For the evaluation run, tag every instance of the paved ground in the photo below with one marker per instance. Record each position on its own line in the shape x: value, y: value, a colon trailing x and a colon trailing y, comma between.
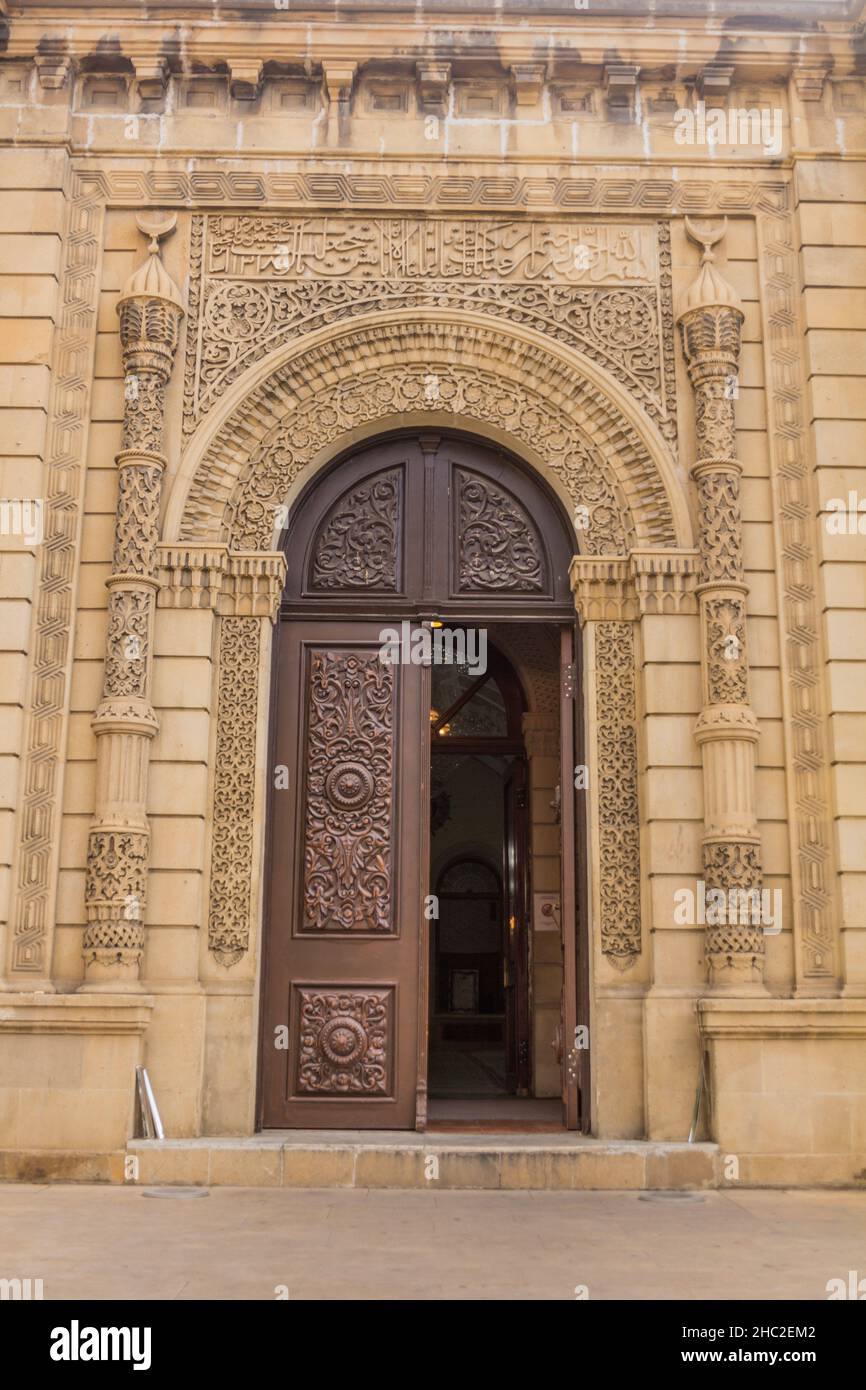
x: 241, y: 1243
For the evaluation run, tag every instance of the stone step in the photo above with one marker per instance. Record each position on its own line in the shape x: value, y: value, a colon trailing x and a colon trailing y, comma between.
x: 542, y: 1162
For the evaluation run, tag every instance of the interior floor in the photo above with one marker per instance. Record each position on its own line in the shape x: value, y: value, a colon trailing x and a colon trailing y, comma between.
x: 495, y: 1115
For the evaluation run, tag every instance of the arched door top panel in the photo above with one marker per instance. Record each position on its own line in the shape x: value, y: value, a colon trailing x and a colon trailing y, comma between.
x: 429, y: 521
x: 360, y: 543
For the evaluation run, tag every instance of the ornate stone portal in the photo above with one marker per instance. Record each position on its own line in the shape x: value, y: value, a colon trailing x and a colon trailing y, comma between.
x: 150, y: 311
x: 341, y: 266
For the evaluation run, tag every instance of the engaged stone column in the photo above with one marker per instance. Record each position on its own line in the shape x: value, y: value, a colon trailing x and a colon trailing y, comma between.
x: 711, y: 320
x: 150, y: 312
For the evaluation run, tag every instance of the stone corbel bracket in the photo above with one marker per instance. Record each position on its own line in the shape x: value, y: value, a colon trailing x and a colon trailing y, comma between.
x: 529, y: 80
x: 245, y: 79
x: 624, y: 588
x: 620, y: 85
x: 151, y: 78
x: 339, y: 79
x: 809, y: 77
x: 233, y: 583
x: 434, y: 82
x: 52, y: 70
x: 714, y: 82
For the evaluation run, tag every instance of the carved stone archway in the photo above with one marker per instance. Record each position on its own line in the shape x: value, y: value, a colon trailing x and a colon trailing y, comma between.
x: 564, y: 414
x: 292, y: 414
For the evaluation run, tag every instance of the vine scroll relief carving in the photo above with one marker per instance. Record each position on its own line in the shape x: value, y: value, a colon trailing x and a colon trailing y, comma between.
x: 258, y: 281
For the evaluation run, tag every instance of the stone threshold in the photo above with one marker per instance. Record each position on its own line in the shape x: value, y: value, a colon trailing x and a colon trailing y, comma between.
x: 386, y: 1159
x: 389, y: 1159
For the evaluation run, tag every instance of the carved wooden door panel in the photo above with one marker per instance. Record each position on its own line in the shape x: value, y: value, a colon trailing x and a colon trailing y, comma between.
x: 346, y: 883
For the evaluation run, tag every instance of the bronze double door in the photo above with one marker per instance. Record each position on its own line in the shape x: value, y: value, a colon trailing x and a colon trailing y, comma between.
x: 411, y: 528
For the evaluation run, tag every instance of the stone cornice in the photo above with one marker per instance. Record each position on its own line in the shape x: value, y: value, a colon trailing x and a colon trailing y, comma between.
x: 572, y: 41
x: 782, y: 1018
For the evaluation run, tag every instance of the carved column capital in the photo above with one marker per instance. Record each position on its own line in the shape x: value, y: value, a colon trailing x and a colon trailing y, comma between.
x: 711, y: 314
x: 150, y: 307
x: 234, y: 583
x: 603, y: 588
x: 619, y: 588
x: 665, y: 580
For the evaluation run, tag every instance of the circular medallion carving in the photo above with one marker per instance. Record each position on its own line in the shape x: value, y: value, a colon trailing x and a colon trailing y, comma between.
x: 343, y: 1041
x: 622, y: 320
x: 349, y: 786
x: 238, y: 313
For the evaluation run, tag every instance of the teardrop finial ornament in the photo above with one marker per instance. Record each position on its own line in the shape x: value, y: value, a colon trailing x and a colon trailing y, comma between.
x: 155, y: 225
x: 707, y: 235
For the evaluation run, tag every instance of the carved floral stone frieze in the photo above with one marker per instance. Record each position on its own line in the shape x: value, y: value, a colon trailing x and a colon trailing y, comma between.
x: 234, y: 789
x: 618, y: 810
x: 257, y: 281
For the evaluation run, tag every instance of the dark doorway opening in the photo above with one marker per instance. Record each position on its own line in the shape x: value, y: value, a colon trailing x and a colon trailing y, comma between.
x: 470, y: 1046
x: 479, y: 1025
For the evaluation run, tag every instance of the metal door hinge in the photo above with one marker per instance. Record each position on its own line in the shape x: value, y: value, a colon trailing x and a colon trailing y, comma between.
x: 569, y: 679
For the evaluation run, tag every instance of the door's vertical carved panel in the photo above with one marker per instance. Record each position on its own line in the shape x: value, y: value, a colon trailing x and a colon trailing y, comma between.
x: 497, y: 545
x: 359, y: 545
x: 618, y: 812
x: 348, y: 810
x: 231, y: 875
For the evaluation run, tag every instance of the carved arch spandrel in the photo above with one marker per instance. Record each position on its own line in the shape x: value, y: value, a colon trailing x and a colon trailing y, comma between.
x: 291, y: 414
